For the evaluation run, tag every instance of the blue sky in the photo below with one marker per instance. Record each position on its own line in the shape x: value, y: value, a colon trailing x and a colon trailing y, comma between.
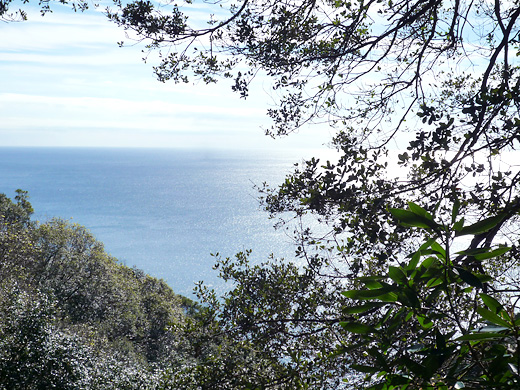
x: 64, y: 81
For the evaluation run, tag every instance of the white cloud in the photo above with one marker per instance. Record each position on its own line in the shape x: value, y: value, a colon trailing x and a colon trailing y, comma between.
x: 60, y: 29
x: 66, y: 82
x: 145, y: 107
x: 22, y: 111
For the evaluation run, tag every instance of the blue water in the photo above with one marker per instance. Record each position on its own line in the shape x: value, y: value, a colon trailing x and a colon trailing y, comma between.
x: 162, y: 210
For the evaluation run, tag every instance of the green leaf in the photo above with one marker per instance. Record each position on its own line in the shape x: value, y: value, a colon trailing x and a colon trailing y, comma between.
x: 494, y: 253
x: 457, y: 226
x: 468, y: 277
x: 431, y: 364
x: 413, y: 261
x: 473, y: 252
x: 484, y: 278
x: 356, y: 327
x: 380, y: 358
x: 439, y: 249
x: 492, y: 317
x: 397, y: 275
x: 491, y: 302
x: 362, y: 308
x: 481, y: 336
x: 425, y: 322
x: 409, y: 219
x: 384, y: 294
x: 395, y: 382
x: 418, y: 210
x: 485, y: 253
x: 349, y: 293
x: 438, y: 284
x: 482, y: 226
x: 429, y: 261
x: 455, y: 210
x: 493, y: 329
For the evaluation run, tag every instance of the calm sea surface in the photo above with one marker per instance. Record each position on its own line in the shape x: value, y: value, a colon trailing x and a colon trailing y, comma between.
x: 162, y: 210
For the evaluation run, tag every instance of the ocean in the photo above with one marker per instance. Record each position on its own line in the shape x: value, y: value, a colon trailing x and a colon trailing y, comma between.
x: 162, y: 210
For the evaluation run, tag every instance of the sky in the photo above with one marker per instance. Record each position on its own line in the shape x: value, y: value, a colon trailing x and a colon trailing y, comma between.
x: 64, y: 82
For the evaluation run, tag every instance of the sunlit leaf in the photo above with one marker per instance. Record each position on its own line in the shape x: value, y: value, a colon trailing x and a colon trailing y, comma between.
x: 425, y: 322
x: 356, y: 327
x: 482, y: 226
x: 439, y: 249
x: 491, y: 302
x: 492, y: 317
x: 418, y: 210
x: 407, y: 218
x: 480, y: 336
x: 397, y: 275
x: 429, y: 261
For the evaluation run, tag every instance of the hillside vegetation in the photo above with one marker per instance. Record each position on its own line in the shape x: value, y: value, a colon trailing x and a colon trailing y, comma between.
x: 72, y: 316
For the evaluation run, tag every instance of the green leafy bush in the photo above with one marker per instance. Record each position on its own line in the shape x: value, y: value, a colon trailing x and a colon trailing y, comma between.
x: 439, y: 320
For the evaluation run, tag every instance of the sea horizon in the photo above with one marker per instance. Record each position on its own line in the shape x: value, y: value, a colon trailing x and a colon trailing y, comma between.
x: 163, y: 210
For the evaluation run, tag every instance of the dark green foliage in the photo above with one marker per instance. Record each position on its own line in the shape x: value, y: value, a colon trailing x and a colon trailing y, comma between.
x: 72, y: 317
x: 286, y: 314
x: 33, y: 353
x: 16, y: 214
x: 92, y: 288
x: 433, y: 322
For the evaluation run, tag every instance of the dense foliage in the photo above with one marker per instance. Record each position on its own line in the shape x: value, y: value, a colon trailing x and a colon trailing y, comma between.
x: 72, y: 317
x: 430, y: 322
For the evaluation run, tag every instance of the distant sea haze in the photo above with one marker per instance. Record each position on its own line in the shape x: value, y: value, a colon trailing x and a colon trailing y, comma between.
x: 162, y: 210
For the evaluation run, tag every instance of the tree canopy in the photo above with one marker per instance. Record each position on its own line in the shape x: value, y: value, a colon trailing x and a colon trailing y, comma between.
x: 72, y: 317
x: 430, y: 87
x: 424, y: 98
